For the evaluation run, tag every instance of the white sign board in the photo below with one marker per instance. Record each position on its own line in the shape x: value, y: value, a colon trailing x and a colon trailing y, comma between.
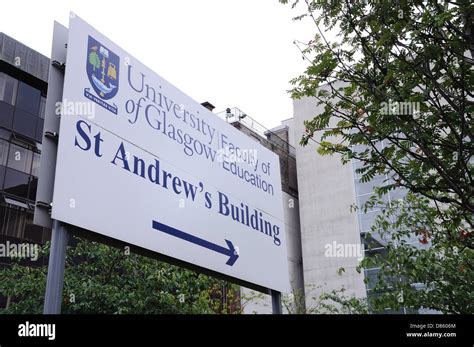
x: 141, y: 162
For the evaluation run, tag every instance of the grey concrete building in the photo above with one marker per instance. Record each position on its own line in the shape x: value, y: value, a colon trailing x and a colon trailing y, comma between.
x: 278, y: 141
x: 327, y: 190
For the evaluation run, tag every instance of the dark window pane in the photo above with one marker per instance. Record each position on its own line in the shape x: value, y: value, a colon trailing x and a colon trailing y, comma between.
x: 25, y: 123
x: 39, y: 130
x: 20, y: 158
x: 36, y: 164
x: 5, y: 134
x: 42, y: 108
x: 3, y: 152
x: 3, y: 213
x: 2, y: 176
x: 32, y: 232
x: 28, y: 98
x: 6, y: 115
x: 32, y: 188
x: 13, y: 221
x: 46, y: 235
x: 8, y: 87
x: 16, y: 183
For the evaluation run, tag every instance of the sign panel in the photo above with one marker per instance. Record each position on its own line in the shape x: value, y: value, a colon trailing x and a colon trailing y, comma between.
x: 141, y: 162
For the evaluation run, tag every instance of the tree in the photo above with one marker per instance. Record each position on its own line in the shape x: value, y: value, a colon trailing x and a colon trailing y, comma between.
x: 332, y: 302
x: 102, y: 279
x: 398, y: 96
x: 438, y: 276
x: 94, y: 59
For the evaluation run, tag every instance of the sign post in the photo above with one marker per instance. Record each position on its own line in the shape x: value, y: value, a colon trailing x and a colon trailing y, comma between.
x: 59, y: 236
x: 276, y: 302
x: 57, y: 258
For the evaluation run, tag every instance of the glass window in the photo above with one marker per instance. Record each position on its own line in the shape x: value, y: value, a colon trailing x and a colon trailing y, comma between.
x: 368, y: 187
x: 36, y: 164
x: 5, y: 134
x: 6, y: 114
x: 42, y: 109
x: 13, y: 221
x: 2, y: 176
x: 32, y: 232
x: 39, y: 130
x: 381, y: 202
x: 25, y: 123
x: 397, y: 194
x: 362, y: 199
x: 28, y: 98
x: 3, y: 152
x: 16, y: 183
x: 367, y: 220
x: 33, y: 186
x: 20, y: 158
x: 3, y: 213
x: 8, y: 88
x: 372, y: 277
x: 357, y: 164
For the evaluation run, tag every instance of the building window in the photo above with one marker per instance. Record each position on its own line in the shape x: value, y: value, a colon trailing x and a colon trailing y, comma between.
x: 2, y: 175
x: 42, y: 109
x: 39, y: 130
x: 36, y: 164
x: 32, y: 232
x: 16, y: 183
x: 3, y: 152
x: 28, y: 98
x: 372, y: 277
x: 6, y: 115
x: 25, y: 123
x: 367, y: 220
x: 5, y: 134
x: 12, y: 220
x: 368, y: 187
x: 20, y: 158
x: 381, y: 202
x: 32, y: 188
x: 8, y: 88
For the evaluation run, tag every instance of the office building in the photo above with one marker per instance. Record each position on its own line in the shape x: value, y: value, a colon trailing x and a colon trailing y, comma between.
x: 23, y: 86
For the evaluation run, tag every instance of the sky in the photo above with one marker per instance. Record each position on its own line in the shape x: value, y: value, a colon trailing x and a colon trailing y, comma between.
x: 232, y: 53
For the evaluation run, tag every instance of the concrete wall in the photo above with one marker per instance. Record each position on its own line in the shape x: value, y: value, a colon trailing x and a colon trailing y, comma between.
x: 326, y: 192
x: 290, y: 123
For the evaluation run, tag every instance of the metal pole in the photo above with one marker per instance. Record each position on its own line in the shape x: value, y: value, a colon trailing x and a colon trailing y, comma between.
x: 57, y: 257
x: 276, y: 302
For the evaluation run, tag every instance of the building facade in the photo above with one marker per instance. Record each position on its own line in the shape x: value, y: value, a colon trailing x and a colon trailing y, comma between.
x: 328, y: 191
x: 23, y: 87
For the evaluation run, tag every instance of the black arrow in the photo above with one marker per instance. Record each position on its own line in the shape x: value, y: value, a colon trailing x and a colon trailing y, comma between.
x: 230, y: 251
